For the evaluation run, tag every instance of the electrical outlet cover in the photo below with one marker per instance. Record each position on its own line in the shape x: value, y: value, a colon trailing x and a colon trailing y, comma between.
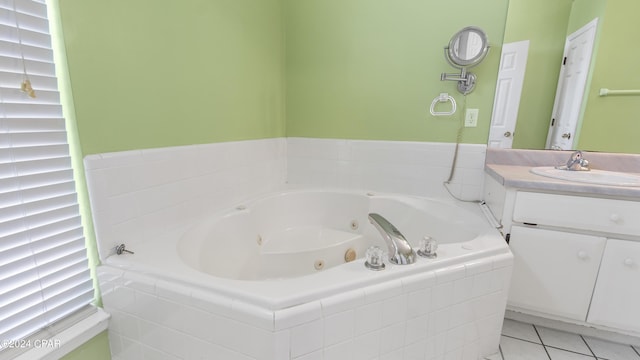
x: 471, y: 118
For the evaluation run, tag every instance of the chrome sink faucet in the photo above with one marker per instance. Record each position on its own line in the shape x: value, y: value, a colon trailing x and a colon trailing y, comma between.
x: 400, y: 251
x: 576, y: 162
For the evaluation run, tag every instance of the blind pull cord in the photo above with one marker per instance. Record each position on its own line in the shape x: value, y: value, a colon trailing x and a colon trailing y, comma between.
x: 25, y: 86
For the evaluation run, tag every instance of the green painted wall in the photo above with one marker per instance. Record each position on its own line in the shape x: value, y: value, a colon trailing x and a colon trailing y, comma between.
x: 369, y: 69
x: 583, y: 11
x: 146, y: 74
x: 207, y: 71
x: 544, y: 24
x: 613, y: 123
x: 94, y: 349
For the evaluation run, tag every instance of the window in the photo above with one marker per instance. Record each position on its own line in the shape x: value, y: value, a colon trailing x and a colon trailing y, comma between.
x: 44, y: 272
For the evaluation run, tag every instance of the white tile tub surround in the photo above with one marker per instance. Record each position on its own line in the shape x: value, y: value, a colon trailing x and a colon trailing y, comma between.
x: 414, y: 168
x: 423, y: 316
x: 152, y: 195
x: 141, y: 194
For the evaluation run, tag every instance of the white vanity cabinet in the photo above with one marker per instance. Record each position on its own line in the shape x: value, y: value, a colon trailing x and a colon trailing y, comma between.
x: 576, y: 256
x: 616, y: 299
x: 554, y: 272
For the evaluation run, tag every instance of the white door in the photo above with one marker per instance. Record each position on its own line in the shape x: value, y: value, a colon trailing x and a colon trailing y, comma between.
x: 571, y: 85
x: 513, y: 63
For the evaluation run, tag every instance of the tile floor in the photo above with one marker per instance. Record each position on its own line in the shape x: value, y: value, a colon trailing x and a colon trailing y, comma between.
x: 521, y: 341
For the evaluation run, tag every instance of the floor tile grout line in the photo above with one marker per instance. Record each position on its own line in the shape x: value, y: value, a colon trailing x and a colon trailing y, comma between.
x: 541, y: 342
x: 588, y: 347
x: 575, y: 352
x: 538, y: 334
x: 525, y: 340
x: 544, y: 346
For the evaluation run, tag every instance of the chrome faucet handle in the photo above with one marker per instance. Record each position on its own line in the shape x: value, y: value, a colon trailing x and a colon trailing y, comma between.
x: 584, y: 163
x: 428, y: 247
x: 374, y: 258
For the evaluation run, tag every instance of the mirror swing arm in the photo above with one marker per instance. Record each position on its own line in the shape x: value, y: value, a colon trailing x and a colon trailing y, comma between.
x: 466, y: 49
x: 466, y: 80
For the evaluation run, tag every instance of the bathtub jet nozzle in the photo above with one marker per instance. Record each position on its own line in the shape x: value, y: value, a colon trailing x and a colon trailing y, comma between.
x: 400, y: 251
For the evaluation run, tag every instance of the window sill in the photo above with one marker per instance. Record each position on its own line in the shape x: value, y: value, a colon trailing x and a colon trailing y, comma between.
x: 70, y: 339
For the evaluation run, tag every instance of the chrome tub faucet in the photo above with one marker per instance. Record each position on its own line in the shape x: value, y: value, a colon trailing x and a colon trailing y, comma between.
x: 400, y: 251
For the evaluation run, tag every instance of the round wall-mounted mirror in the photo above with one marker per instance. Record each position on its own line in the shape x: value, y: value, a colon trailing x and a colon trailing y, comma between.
x: 468, y: 47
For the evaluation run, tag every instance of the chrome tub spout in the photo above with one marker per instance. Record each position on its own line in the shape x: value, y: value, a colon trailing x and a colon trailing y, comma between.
x: 400, y: 251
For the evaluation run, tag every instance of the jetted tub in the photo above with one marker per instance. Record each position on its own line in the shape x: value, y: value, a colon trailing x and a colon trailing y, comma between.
x: 283, y: 277
x: 301, y: 233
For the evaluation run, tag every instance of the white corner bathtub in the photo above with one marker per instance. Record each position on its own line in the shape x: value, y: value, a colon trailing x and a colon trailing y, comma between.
x: 268, y: 279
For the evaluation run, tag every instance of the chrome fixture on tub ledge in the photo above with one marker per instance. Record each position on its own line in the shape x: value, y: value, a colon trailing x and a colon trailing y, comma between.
x: 428, y: 247
x: 374, y: 259
x: 400, y: 251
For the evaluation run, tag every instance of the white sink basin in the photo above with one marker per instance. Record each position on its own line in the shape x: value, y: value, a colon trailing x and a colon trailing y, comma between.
x: 600, y: 177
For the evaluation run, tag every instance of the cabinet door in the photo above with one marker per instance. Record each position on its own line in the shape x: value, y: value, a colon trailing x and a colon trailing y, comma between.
x: 554, y: 272
x: 616, y: 299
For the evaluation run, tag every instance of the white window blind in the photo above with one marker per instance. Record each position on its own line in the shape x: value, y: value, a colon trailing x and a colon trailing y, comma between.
x: 44, y: 273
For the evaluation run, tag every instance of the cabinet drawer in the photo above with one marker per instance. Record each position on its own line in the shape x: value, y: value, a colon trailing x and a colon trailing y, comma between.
x: 576, y: 212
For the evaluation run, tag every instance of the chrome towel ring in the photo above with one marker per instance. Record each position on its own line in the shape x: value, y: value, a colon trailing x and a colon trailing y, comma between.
x: 443, y: 98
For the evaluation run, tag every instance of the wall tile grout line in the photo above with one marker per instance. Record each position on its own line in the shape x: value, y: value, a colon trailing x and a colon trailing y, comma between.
x: 501, y: 353
x: 636, y: 351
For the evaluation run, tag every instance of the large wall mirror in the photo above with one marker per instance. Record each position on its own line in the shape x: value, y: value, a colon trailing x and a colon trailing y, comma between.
x: 608, y: 124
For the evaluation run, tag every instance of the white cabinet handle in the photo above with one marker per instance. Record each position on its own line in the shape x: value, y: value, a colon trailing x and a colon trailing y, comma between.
x: 628, y: 262
x: 616, y: 218
x: 582, y: 255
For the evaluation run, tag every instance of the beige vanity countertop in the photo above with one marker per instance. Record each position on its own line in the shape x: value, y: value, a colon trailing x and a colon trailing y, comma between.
x: 516, y: 176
